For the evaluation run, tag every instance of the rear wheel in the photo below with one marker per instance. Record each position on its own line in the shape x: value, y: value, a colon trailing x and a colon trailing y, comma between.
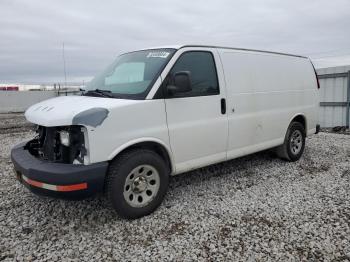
x: 294, y: 143
x: 137, y: 182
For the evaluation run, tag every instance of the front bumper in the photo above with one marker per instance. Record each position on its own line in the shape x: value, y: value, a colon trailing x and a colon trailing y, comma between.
x: 57, y: 179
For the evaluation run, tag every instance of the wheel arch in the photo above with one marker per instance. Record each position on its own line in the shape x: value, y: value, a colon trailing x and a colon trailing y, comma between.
x: 151, y: 143
x: 300, y: 118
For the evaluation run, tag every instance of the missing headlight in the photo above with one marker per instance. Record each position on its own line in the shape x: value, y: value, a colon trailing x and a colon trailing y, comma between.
x: 63, y: 144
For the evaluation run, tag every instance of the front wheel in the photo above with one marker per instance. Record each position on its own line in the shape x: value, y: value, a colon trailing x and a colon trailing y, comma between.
x: 137, y: 182
x: 294, y: 143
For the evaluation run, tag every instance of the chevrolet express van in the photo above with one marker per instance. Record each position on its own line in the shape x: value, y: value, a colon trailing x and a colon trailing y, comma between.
x: 160, y: 112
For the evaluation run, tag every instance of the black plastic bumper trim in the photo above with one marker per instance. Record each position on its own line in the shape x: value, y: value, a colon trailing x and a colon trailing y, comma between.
x: 58, y: 173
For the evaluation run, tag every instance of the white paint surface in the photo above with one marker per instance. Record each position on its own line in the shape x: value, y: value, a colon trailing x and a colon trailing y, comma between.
x: 263, y: 93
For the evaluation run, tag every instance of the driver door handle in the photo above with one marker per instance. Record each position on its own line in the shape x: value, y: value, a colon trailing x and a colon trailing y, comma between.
x: 223, y: 106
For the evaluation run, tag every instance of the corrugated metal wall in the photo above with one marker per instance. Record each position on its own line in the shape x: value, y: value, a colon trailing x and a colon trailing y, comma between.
x: 334, y: 96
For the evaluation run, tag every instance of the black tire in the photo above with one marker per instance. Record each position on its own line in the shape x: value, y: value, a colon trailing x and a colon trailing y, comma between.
x: 118, y: 173
x: 287, y: 151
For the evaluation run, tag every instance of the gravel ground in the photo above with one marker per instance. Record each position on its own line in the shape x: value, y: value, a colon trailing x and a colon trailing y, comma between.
x: 13, y: 122
x: 253, y: 208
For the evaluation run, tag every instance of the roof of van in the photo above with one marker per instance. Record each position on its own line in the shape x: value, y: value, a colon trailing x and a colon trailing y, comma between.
x: 224, y: 47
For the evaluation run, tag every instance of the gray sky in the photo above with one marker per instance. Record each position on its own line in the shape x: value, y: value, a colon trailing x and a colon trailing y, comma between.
x: 95, y: 32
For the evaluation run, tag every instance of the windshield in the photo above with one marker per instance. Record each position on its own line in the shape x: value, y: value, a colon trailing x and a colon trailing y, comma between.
x: 131, y: 75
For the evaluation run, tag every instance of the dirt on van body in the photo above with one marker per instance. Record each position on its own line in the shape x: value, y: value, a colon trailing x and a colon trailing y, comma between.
x: 253, y: 208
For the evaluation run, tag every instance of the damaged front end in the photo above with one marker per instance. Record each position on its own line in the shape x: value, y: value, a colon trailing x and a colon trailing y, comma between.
x: 62, y: 144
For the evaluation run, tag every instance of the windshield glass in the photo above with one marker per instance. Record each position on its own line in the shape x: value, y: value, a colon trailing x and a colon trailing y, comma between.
x: 131, y: 75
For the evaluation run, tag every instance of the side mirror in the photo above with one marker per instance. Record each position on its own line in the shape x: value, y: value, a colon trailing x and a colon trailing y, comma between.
x: 180, y: 82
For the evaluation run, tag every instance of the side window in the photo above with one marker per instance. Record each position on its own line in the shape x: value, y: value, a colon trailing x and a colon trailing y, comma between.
x: 201, y: 65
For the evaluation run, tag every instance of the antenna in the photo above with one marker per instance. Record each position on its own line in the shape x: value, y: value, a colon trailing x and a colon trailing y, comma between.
x: 64, y: 66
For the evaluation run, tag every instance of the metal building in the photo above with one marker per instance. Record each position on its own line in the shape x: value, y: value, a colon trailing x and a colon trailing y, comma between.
x: 334, y: 96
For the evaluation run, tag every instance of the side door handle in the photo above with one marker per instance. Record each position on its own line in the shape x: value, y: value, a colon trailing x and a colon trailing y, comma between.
x: 223, y: 106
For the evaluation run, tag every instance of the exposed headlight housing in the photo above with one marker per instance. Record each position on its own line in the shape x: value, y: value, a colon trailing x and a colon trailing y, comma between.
x: 64, y: 138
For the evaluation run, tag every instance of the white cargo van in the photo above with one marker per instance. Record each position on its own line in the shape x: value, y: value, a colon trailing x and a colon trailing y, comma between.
x: 164, y: 111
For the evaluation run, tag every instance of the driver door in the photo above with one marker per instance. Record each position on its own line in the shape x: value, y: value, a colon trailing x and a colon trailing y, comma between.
x: 196, y: 119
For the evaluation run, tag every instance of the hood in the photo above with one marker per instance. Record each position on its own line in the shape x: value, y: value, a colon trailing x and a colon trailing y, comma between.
x: 68, y: 110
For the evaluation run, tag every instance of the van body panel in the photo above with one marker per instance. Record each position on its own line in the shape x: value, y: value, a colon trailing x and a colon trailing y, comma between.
x: 193, y: 120
x: 264, y: 92
x: 144, y: 119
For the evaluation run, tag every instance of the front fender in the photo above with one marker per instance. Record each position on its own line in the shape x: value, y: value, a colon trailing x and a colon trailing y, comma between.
x: 142, y: 140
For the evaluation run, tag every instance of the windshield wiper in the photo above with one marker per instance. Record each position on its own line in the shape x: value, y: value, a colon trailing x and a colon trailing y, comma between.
x: 99, y: 92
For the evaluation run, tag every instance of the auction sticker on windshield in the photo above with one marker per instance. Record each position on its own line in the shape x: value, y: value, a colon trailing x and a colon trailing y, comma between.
x: 161, y: 54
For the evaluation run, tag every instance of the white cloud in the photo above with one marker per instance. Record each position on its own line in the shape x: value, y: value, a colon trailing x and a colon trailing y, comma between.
x: 94, y: 32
